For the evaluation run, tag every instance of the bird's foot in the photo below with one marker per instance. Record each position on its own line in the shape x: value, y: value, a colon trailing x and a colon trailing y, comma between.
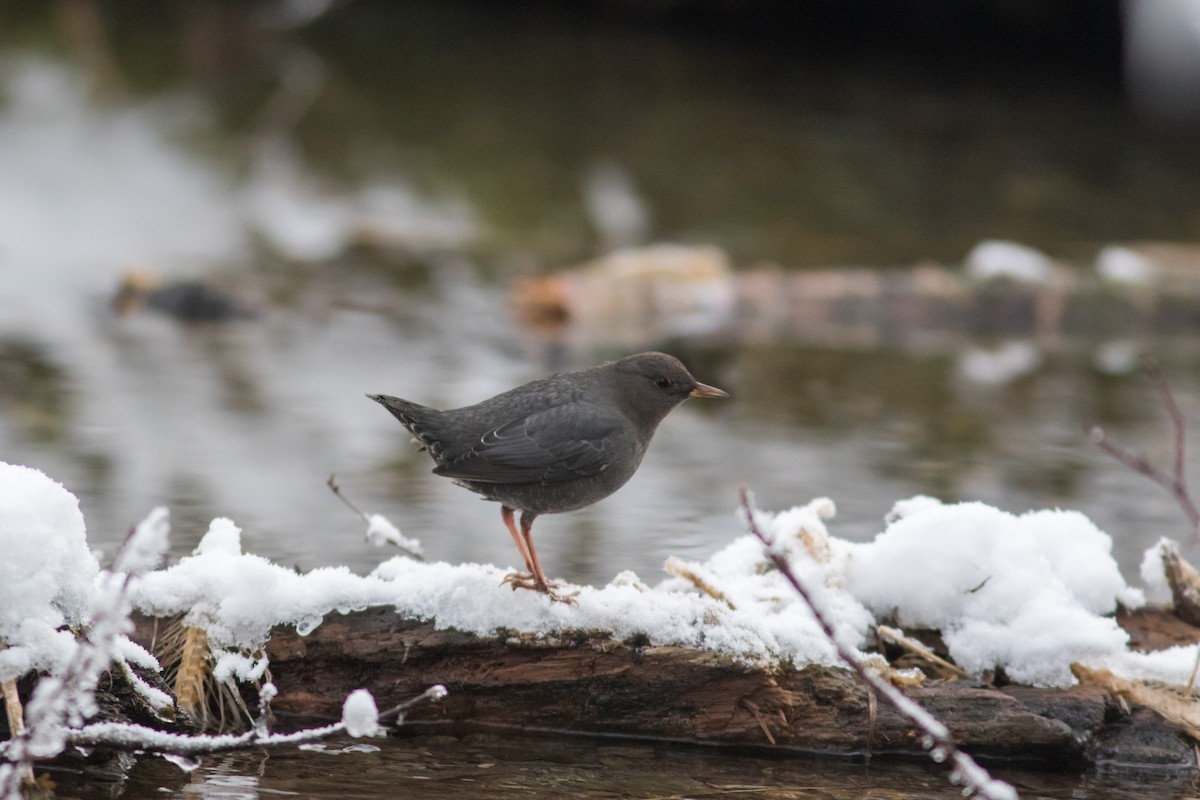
x: 559, y: 597
x: 519, y: 580
x: 527, y: 580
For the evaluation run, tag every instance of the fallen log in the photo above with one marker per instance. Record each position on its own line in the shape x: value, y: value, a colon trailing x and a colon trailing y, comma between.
x: 592, y: 685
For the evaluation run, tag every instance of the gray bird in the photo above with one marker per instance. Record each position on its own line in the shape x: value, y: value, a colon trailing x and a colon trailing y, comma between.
x: 553, y: 445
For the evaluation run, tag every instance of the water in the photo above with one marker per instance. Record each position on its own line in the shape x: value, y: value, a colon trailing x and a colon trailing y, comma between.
x: 481, y: 766
x: 374, y: 179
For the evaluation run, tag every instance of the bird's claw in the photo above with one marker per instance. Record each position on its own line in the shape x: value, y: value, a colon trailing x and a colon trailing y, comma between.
x: 527, y: 580
x: 519, y: 580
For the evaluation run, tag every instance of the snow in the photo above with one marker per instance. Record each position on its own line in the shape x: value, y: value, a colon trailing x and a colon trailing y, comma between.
x: 1118, y: 357
x: 994, y: 259
x: 148, y: 543
x: 156, y: 699
x: 1030, y: 593
x: 1023, y: 592
x: 1122, y: 265
x: 1152, y: 573
x: 359, y: 714
x: 238, y: 597
x: 1000, y: 365
x: 381, y: 531
x: 46, y: 574
x: 243, y: 667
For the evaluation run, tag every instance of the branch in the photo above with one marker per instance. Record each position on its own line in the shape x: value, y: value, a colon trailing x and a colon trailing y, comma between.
x: 434, y: 694
x: 379, y: 528
x: 128, y: 736
x: 1175, y: 483
x: 337, y: 491
x: 937, y: 739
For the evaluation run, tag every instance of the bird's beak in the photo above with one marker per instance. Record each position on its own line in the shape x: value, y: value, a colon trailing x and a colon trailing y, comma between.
x: 704, y: 390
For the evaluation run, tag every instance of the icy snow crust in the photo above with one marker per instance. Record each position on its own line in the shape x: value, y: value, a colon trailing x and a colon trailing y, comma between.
x: 1028, y: 593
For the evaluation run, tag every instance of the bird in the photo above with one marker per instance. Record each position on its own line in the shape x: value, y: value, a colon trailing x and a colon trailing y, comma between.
x: 185, y: 300
x: 553, y: 445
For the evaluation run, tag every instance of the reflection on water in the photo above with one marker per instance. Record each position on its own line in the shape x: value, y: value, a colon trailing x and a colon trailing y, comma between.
x: 372, y: 178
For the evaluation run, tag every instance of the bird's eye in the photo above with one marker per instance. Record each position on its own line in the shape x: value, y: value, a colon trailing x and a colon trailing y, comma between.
x: 662, y: 383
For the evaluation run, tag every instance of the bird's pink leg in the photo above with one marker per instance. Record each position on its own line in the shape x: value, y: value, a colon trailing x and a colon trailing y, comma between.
x: 540, y: 583
x: 516, y: 578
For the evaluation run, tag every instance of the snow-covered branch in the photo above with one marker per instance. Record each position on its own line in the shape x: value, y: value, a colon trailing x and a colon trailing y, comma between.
x: 938, y: 741
x: 359, y: 718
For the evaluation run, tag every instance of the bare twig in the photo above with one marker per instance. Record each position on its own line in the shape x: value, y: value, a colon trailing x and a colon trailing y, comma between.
x: 937, y: 739
x: 337, y: 490
x: 433, y: 694
x: 1175, y: 483
x: 15, y: 714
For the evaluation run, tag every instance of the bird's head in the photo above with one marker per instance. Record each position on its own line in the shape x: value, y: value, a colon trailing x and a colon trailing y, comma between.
x: 649, y: 385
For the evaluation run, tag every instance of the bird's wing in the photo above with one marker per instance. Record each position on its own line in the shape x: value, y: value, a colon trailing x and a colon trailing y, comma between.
x: 550, y: 446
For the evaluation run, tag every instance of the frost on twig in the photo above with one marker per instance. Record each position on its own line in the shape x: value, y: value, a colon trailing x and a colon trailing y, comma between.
x: 359, y: 718
x: 937, y: 739
x: 1174, y: 482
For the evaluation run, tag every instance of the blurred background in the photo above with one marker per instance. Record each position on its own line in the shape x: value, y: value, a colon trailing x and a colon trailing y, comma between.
x: 924, y: 245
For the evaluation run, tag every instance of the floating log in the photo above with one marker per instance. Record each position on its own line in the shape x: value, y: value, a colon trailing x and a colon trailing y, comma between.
x: 592, y: 685
x: 663, y: 291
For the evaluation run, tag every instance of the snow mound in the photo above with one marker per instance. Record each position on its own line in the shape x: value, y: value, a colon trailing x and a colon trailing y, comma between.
x: 47, y: 572
x: 1023, y: 592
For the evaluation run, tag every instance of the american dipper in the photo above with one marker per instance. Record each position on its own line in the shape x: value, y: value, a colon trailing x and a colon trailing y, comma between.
x: 552, y: 445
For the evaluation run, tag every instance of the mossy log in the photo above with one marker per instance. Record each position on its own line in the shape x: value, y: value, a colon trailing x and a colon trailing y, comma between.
x: 592, y: 685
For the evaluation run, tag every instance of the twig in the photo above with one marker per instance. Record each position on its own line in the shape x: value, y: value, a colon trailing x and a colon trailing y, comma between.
x: 692, y: 572
x: 433, y: 694
x: 1192, y: 678
x: 128, y: 736
x: 937, y: 739
x: 337, y: 490
x: 918, y: 649
x: 15, y: 715
x: 379, y: 528
x: 1175, y: 483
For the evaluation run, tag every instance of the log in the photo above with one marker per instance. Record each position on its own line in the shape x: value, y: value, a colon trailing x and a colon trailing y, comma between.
x: 592, y: 685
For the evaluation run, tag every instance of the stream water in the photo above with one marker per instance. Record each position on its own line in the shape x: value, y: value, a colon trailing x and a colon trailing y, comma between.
x: 373, y: 179
x: 482, y: 766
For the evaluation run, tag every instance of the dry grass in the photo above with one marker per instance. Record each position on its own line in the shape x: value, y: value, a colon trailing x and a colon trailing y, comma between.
x: 187, y: 662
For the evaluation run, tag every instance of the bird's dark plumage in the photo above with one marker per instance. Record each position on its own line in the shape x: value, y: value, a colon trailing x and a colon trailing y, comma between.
x: 555, y: 444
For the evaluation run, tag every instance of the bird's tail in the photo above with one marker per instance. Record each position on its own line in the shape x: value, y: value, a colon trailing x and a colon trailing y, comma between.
x: 420, y: 421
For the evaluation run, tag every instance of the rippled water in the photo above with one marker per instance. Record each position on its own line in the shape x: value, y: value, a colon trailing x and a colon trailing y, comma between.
x: 374, y: 179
